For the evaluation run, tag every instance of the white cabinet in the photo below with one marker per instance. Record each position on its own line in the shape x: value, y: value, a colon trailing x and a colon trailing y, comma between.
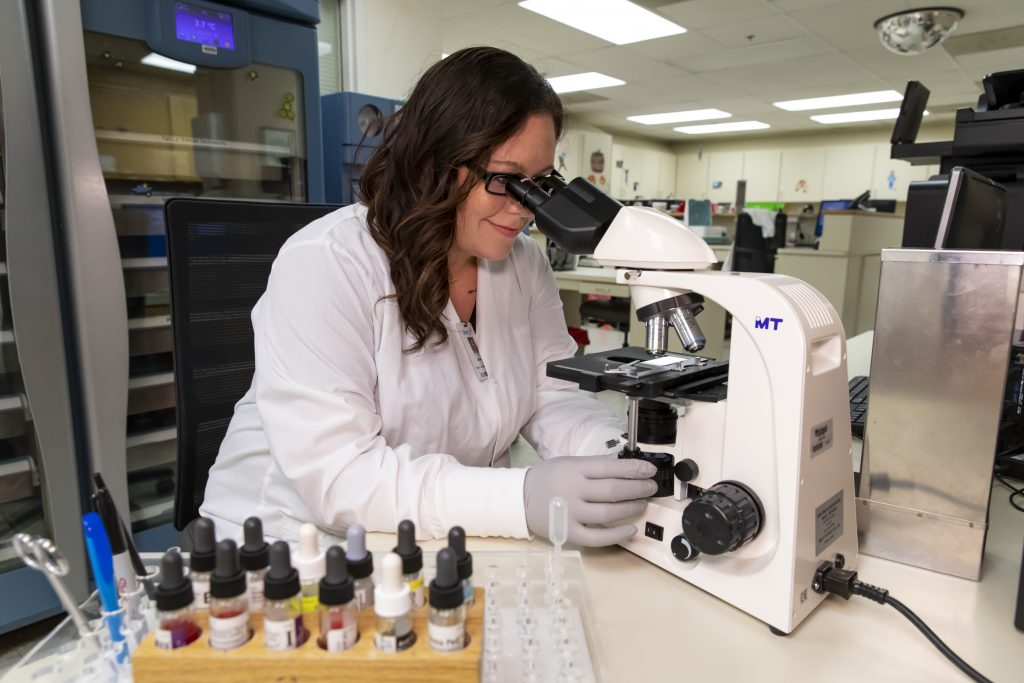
x: 724, y: 170
x: 761, y: 171
x: 892, y: 177
x: 667, y: 175
x: 692, y: 175
x: 801, y: 173
x: 848, y: 171
x: 650, y: 176
x: 627, y: 171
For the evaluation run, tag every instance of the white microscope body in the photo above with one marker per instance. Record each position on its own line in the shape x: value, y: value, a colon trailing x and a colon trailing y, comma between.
x: 782, y: 434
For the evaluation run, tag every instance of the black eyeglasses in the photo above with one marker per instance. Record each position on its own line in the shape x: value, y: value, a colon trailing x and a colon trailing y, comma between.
x: 495, y: 183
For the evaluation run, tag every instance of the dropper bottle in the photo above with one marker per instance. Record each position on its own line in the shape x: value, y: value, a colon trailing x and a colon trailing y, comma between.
x: 393, y: 605
x: 412, y: 561
x: 446, y: 624
x: 464, y: 563
x: 175, y: 625
x: 309, y: 560
x: 201, y: 561
x: 360, y: 565
x: 338, y: 627
x: 255, y: 559
x: 282, y: 609
x: 229, y: 606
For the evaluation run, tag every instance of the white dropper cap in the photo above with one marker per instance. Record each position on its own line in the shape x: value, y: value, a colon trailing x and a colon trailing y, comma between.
x: 391, y: 597
x: 309, y: 559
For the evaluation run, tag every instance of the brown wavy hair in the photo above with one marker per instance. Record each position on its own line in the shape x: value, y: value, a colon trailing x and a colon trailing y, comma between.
x: 460, y: 111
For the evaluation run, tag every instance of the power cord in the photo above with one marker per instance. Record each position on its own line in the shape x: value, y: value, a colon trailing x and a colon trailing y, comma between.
x: 830, y: 578
x: 1014, y: 492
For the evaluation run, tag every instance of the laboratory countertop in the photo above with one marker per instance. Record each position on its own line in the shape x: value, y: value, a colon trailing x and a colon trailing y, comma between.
x: 656, y: 627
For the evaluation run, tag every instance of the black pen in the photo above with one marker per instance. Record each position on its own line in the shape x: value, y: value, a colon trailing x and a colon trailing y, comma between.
x: 140, y: 568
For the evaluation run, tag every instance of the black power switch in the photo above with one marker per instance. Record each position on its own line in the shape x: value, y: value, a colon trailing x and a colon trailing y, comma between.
x: 654, y: 531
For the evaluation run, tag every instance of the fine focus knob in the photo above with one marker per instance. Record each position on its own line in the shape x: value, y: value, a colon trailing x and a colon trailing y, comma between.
x: 686, y: 470
x: 723, y: 518
x: 682, y: 549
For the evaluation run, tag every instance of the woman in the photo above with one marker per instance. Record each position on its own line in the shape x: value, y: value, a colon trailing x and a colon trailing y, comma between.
x: 401, y: 343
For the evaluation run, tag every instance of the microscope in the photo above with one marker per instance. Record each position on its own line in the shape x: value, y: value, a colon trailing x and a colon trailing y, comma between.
x: 754, y: 457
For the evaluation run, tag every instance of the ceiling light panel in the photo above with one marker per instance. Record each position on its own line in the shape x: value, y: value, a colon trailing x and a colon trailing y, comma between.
x: 680, y: 116
x: 617, y: 21
x: 732, y: 127
x: 854, y: 116
x: 590, y: 80
x: 851, y: 100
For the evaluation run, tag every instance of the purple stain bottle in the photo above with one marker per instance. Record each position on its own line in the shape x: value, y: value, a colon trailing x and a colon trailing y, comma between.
x: 175, y: 625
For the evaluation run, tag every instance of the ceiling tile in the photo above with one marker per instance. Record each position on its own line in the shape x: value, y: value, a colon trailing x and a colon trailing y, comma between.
x: 528, y: 29
x: 977, y: 66
x: 834, y: 69
x: 890, y: 66
x: 985, y: 15
x: 629, y: 66
x: 697, y: 14
x: 756, y: 55
x: 677, y: 48
x: 756, y: 31
x: 848, y: 25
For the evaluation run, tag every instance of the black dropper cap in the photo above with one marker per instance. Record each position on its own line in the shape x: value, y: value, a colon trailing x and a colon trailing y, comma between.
x: 336, y: 587
x: 412, y: 556
x: 446, y: 588
x: 175, y: 590
x: 254, y: 553
x: 228, y: 580
x: 464, y: 560
x: 282, y: 581
x: 203, y: 556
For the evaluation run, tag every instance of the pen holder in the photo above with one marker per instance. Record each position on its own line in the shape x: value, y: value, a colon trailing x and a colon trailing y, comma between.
x: 361, y: 662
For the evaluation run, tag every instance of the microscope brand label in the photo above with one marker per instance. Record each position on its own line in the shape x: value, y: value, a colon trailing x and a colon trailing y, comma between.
x: 766, y: 323
x: 828, y: 522
x: 821, y: 437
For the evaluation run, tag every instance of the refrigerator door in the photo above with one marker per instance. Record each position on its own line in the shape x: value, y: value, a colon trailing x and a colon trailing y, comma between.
x: 155, y: 99
x: 39, y: 474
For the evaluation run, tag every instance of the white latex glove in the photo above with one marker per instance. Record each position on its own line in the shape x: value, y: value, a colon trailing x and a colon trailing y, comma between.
x: 600, y: 489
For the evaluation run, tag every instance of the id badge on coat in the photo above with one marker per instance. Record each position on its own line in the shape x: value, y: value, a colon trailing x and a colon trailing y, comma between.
x: 466, y: 330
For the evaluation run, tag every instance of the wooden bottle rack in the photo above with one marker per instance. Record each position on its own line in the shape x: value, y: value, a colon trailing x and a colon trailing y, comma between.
x: 361, y: 662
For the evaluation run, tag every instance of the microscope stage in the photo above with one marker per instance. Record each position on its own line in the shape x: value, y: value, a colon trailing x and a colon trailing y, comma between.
x: 634, y: 372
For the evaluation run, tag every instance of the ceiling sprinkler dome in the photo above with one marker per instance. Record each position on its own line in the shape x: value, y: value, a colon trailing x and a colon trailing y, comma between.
x: 914, y: 31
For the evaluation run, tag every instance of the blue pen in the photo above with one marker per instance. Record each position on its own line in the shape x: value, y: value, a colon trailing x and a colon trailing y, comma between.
x: 102, y: 561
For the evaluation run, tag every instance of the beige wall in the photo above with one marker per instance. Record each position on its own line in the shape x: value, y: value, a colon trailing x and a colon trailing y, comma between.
x: 942, y: 130
x: 387, y: 44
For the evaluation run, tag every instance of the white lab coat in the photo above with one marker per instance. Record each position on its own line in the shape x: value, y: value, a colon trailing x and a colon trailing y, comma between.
x: 340, y: 426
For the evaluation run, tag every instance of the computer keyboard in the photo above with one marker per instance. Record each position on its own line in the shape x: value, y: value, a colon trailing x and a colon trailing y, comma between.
x: 858, y: 405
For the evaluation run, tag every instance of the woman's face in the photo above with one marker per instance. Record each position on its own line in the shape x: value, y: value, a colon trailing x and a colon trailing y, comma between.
x: 488, y: 224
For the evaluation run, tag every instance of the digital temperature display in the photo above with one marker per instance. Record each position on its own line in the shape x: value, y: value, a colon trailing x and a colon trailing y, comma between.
x: 204, y: 26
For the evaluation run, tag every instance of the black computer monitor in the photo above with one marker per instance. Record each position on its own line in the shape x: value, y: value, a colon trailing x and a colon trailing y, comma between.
x: 1003, y: 90
x: 974, y: 213
x: 915, y: 98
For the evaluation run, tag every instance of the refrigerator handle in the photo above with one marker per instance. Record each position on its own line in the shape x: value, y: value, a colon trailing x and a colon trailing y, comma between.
x: 35, y: 294
x: 91, y: 249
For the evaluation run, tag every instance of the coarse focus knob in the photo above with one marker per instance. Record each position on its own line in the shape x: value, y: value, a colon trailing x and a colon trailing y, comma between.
x: 686, y: 470
x: 723, y: 518
x: 662, y: 461
x: 682, y: 549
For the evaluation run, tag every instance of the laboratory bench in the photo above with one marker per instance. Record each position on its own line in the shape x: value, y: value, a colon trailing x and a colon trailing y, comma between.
x: 653, y: 626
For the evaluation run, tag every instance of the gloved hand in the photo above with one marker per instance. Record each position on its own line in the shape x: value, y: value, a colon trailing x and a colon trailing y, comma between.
x: 600, y: 489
